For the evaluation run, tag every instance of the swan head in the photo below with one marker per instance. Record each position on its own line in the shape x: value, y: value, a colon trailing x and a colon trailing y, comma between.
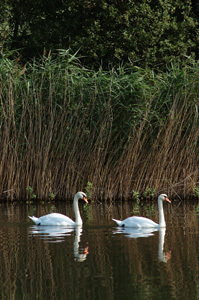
x: 81, y: 195
x: 164, y: 197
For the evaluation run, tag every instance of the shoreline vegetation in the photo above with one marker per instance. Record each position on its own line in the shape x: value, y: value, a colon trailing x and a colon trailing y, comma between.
x: 117, y: 134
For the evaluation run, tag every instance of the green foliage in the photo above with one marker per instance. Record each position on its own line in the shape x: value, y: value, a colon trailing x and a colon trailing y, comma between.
x: 149, y: 209
x: 196, y: 191
x: 144, y: 33
x: 88, y: 212
x: 89, y: 189
x: 52, y: 196
x: 196, y: 209
x: 149, y: 193
x: 136, y: 196
x: 136, y: 208
x: 31, y: 192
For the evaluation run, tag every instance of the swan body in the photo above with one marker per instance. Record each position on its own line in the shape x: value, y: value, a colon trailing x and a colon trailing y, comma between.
x: 60, y: 219
x: 141, y: 222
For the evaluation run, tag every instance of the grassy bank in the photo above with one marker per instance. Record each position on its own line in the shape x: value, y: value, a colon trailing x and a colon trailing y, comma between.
x: 119, y: 134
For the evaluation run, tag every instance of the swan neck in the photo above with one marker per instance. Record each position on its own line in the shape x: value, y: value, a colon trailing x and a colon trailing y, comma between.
x: 161, y: 214
x: 78, y: 219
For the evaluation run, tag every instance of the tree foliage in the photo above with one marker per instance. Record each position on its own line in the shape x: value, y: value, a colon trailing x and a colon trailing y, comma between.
x: 104, y: 32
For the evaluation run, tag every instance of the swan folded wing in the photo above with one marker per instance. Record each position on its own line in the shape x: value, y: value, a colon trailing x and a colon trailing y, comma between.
x: 34, y: 219
x: 53, y: 219
x: 138, y: 222
x: 119, y: 223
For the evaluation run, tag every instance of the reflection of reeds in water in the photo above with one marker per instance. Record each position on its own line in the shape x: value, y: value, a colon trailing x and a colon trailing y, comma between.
x: 62, y: 126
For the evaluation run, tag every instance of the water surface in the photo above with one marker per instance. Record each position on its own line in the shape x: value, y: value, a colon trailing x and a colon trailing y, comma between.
x: 99, y: 260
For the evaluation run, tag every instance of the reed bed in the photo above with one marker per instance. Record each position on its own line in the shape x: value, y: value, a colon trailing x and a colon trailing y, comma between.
x: 65, y: 128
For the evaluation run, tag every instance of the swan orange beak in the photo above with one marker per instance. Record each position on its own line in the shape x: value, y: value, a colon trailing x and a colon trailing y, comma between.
x: 85, y: 199
x: 167, y: 199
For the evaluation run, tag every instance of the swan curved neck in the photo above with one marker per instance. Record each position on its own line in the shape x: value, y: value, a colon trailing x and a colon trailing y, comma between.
x: 161, y: 214
x: 78, y: 219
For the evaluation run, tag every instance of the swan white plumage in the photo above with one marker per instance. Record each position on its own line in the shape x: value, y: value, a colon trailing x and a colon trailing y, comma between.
x: 136, y: 221
x: 60, y: 219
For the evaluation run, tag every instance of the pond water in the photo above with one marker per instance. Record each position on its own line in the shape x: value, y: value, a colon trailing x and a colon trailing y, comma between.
x: 99, y: 260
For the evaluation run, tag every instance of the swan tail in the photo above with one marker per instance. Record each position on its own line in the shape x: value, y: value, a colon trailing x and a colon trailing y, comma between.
x: 119, y: 223
x: 35, y: 220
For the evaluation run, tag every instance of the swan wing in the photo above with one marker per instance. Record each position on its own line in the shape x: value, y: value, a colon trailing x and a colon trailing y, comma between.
x: 119, y: 223
x: 53, y: 219
x: 138, y: 222
x: 34, y: 219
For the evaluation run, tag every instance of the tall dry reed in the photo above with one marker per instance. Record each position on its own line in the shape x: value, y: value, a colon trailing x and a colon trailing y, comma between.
x: 62, y: 126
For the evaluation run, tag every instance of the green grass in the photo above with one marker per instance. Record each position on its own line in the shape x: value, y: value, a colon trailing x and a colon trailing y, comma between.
x: 126, y: 130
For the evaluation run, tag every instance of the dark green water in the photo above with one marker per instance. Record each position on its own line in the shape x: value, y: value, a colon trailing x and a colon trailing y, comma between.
x: 99, y: 261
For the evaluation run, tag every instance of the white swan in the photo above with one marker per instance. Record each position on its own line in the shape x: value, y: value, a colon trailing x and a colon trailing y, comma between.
x: 145, y: 222
x: 59, y: 219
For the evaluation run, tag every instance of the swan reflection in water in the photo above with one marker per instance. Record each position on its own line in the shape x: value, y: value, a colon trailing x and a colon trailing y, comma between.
x: 56, y: 234
x: 79, y: 256
x: 131, y: 232
x: 134, y: 233
x: 163, y: 256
